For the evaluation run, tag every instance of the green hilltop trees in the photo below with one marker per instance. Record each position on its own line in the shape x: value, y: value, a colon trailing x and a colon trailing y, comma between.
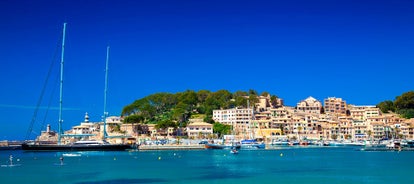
x: 168, y: 108
x: 180, y: 106
x: 403, y: 105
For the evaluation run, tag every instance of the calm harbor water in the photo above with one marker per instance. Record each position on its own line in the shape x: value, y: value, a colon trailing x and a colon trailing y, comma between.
x: 282, y: 165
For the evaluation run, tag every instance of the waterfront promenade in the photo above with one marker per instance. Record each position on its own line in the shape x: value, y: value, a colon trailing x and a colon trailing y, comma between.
x: 172, y: 147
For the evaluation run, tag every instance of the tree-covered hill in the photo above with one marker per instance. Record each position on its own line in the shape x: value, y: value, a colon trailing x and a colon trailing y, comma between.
x: 403, y: 105
x: 166, y: 108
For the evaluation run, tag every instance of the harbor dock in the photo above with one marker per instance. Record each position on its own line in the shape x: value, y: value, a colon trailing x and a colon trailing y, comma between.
x: 171, y: 147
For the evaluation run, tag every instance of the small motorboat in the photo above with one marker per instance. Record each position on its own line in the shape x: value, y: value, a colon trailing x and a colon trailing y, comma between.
x: 234, y: 151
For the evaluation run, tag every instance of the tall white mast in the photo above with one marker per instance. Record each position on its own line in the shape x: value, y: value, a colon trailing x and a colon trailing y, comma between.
x: 248, y: 111
x: 105, y: 114
x: 61, y: 83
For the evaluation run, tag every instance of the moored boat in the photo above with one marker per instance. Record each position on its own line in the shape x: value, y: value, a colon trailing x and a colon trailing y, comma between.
x: 234, y: 151
x: 280, y: 142
x: 89, y: 145
x: 252, y: 144
x: 76, y: 146
x: 10, y: 145
x: 390, y: 145
x: 221, y: 146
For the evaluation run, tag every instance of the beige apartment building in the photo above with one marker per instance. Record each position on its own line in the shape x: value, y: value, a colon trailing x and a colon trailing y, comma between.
x: 309, y: 105
x: 199, y: 129
x: 281, y: 116
x: 335, y: 105
x: 360, y: 129
x: 376, y: 130
x: 240, y: 119
x: 363, y: 112
x: 410, y: 126
x: 265, y: 103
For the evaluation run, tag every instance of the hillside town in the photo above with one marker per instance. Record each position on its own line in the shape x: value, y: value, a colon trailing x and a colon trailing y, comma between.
x: 335, y: 120
x: 309, y: 120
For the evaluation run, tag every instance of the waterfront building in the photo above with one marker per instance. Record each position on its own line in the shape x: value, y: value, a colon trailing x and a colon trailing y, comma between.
x: 360, y: 129
x: 402, y: 130
x: 81, y: 129
x: 410, y: 125
x: 85, y: 127
x: 239, y: 118
x: 48, y: 135
x: 269, y: 134
x: 130, y: 129
x: 340, y: 122
x: 152, y: 130
x: 261, y: 126
x: 324, y: 128
x: 84, y: 131
x: 310, y: 105
x: 377, y: 130
x: 346, y: 129
x: 199, y: 129
x: 335, y: 105
x: 305, y: 125
x: 136, y: 130
x: 334, y: 130
x: 113, y: 124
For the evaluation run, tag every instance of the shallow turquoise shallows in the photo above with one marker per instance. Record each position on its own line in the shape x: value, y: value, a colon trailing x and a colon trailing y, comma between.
x: 283, y: 165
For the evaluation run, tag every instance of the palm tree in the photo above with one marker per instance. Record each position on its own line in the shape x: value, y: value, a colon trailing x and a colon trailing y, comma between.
x: 369, y: 134
x: 334, y: 136
x: 397, y: 133
x: 299, y: 131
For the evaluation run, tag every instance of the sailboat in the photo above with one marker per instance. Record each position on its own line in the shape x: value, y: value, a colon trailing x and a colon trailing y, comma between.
x: 224, y: 145
x: 251, y: 143
x: 228, y: 142
x: 89, y: 145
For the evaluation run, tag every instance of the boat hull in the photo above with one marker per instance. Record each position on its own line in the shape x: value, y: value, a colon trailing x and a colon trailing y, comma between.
x: 14, y: 147
x: 221, y: 146
x: 252, y: 144
x: 105, y: 147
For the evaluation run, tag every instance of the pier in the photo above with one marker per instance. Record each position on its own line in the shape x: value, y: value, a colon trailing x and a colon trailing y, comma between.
x: 172, y: 147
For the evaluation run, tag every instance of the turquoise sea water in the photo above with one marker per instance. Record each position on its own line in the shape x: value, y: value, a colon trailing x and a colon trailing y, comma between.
x: 283, y: 165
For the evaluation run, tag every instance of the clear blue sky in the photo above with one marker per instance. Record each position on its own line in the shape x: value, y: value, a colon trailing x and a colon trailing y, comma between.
x: 361, y: 51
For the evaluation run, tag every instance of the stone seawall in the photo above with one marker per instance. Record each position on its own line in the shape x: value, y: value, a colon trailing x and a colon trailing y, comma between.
x: 171, y: 147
